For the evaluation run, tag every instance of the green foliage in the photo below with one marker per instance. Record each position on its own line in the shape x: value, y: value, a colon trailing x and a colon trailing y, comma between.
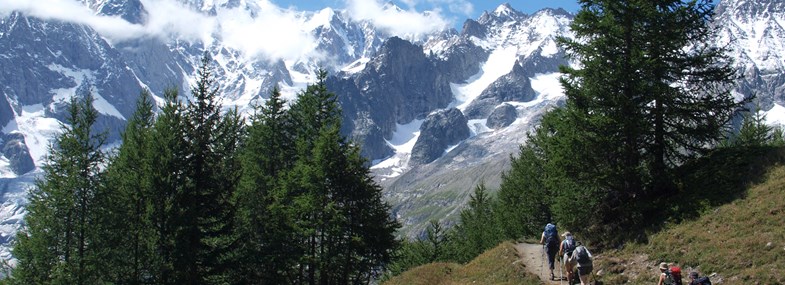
x: 523, y: 200
x: 754, y: 132
x: 126, y: 225
x: 192, y: 196
x: 478, y: 230
x: 343, y: 231
x: 639, y: 105
x: 60, y: 242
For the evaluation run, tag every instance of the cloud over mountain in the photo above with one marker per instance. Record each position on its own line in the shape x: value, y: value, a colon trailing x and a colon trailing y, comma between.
x: 257, y: 28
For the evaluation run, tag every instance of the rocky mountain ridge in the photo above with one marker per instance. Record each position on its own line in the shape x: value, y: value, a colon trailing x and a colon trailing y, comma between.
x: 436, y: 114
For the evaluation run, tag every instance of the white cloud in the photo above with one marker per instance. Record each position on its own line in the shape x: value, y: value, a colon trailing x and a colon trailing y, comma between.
x: 404, y: 23
x: 269, y: 31
x: 169, y: 19
x: 272, y: 32
x: 72, y: 12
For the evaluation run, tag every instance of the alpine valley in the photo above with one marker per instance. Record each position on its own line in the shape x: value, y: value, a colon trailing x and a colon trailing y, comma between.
x: 436, y: 113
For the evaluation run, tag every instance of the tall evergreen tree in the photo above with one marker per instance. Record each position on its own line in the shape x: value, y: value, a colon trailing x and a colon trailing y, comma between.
x: 477, y: 230
x: 205, y: 218
x: 344, y: 229
x: 523, y: 198
x: 263, y: 232
x: 58, y: 245
x: 126, y: 227
x: 651, y: 90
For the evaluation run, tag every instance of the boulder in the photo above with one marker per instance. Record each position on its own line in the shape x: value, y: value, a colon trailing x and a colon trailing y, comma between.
x: 440, y: 130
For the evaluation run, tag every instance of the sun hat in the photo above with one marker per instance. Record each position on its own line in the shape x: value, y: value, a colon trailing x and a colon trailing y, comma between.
x: 566, y: 234
x: 663, y: 266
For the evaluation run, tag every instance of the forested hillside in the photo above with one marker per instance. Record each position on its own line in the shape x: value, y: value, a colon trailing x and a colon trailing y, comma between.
x: 645, y: 140
x: 196, y: 196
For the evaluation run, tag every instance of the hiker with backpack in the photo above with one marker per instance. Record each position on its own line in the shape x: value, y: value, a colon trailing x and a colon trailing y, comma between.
x: 669, y: 275
x: 695, y: 279
x: 565, y: 251
x: 585, y: 265
x: 550, y: 242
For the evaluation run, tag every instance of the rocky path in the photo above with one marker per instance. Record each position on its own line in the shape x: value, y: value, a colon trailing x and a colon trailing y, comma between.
x: 536, y: 263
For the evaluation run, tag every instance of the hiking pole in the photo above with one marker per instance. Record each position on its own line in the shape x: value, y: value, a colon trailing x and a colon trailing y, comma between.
x: 561, y: 276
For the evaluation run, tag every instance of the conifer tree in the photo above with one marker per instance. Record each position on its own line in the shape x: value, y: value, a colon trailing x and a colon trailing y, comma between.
x: 344, y: 229
x: 477, y: 230
x: 58, y: 245
x: 523, y: 199
x: 127, y: 229
x: 264, y: 250
x: 651, y: 91
x: 204, y: 202
x: 754, y: 132
x: 167, y: 180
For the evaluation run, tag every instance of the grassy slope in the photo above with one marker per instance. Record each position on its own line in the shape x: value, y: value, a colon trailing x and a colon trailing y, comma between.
x: 736, y: 206
x: 495, y: 266
x: 730, y: 206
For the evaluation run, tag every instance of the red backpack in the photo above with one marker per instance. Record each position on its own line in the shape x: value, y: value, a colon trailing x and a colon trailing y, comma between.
x: 675, y: 274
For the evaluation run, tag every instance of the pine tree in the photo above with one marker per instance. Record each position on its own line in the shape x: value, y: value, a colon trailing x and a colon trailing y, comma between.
x: 754, y: 132
x: 204, y: 223
x: 167, y: 180
x: 58, y: 243
x: 523, y: 199
x: 344, y: 229
x: 477, y: 230
x: 126, y: 225
x: 264, y: 251
x: 651, y: 91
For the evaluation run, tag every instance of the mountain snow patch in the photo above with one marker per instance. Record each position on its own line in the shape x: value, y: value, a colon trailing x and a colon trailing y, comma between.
x: 37, y: 129
x: 775, y: 116
x: 403, y: 140
x: 499, y: 63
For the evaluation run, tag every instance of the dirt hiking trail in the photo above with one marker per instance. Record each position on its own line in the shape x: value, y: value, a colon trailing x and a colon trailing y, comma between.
x: 536, y: 263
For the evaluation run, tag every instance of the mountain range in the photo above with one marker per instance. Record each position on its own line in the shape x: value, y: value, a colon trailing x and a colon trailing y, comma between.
x: 436, y: 113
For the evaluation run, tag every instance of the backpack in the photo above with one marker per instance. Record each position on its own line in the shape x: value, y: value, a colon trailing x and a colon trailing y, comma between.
x: 674, y: 275
x: 569, y: 246
x: 551, y: 235
x: 702, y: 281
x: 582, y: 255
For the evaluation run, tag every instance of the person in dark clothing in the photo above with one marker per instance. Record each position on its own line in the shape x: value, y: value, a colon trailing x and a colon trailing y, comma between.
x: 695, y: 279
x: 550, y: 241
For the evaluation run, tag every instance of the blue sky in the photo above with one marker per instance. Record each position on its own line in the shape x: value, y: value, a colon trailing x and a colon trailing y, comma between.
x: 454, y: 10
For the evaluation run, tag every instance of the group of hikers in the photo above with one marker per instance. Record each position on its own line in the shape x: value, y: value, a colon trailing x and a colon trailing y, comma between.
x: 575, y: 256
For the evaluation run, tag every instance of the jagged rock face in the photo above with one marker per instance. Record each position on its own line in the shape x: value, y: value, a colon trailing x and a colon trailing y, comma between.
x: 130, y: 10
x: 399, y: 85
x: 412, y: 84
x: 462, y: 59
x: 66, y: 57
x: 756, y: 32
x: 514, y: 86
x: 15, y: 150
x: 502, y: 116
x: 6, y: 112
x: 440, y: 130
x: 472, y: 28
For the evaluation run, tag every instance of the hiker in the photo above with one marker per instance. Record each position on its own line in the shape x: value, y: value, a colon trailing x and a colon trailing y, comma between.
x: 695, y: 279
x: 585, y: 265
x: 565, y: 252
x: 550, y: 242
x: 670, y: 275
